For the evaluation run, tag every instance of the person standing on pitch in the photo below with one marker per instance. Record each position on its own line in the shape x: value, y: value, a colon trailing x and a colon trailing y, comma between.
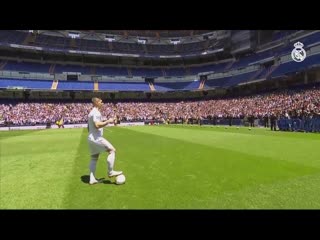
x: 97, y: 143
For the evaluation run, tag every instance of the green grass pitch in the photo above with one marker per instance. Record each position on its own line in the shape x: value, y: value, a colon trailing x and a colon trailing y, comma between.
x: 166, y: 167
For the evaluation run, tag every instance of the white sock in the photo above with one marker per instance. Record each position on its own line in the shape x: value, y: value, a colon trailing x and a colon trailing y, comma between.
x: 92, y: 177
x: 93, y: 164
x: 110, y: 161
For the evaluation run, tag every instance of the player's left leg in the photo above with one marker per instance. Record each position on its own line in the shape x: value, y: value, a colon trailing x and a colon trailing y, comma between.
x: 111, y: 158
x: 92, y: 166
x: 110, y: 161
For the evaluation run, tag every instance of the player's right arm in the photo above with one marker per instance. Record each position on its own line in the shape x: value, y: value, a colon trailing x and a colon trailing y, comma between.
x: 99, y: 124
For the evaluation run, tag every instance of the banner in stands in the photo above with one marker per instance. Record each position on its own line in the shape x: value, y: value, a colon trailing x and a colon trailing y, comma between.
x: 65, y: 126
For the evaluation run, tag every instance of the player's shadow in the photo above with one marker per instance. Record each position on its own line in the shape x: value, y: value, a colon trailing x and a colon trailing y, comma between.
x: 86, y: 179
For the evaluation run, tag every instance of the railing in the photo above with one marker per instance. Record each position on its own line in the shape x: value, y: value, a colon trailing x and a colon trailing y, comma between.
x: 26, y: 75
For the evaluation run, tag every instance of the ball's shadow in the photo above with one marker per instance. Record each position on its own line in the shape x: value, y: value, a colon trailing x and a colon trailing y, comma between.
x: 86, y: 178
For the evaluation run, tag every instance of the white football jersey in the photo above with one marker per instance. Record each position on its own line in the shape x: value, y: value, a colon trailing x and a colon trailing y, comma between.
x: 94, y: 116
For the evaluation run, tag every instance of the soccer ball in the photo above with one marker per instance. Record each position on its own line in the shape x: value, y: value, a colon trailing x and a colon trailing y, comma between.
x: 121, y: 179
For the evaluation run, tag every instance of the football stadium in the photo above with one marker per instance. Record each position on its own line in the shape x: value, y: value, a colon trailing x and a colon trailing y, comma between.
x: 189, y: 119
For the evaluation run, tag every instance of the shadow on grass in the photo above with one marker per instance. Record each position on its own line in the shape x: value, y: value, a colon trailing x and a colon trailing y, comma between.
x: 86, y: 178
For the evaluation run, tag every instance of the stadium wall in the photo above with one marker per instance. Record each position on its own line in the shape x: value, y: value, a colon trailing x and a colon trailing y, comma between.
x: 66, y: 126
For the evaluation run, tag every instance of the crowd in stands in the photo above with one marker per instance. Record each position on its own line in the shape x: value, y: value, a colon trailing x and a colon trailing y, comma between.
x: 287, y: 104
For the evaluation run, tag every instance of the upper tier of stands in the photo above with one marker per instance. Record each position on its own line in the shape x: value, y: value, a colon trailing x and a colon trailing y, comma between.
x: 145, y: 72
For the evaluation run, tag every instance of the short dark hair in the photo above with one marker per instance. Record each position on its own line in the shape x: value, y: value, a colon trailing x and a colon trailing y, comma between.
x: 95, y: 99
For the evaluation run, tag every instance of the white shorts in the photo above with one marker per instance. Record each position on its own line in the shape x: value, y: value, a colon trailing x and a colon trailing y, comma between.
x: 99, y: 145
